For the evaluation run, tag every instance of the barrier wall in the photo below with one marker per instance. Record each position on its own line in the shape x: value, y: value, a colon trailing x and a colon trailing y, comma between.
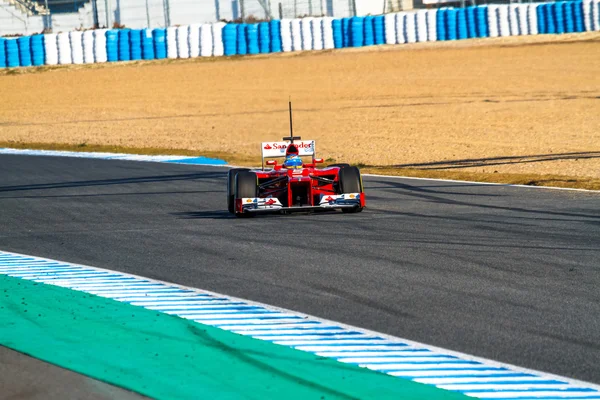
x: 220, y: 39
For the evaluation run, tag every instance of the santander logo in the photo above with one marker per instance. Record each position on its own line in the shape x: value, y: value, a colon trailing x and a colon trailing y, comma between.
x: 283, y: 146
x: 267, y: 147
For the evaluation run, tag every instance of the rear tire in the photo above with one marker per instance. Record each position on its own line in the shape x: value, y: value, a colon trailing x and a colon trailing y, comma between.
x: 246, y: 186
x: 231, y: 187
x: 350, y: 182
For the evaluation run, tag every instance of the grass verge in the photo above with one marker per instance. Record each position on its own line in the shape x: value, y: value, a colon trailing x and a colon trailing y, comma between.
x: 549, y: 180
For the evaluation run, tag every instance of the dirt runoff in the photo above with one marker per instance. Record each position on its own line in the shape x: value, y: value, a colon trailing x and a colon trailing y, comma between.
x: 510, y: 106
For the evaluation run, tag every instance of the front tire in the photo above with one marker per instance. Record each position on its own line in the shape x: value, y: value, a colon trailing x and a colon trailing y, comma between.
x: 350, y: 182
x: 246, y: 186
x: 231, y: 187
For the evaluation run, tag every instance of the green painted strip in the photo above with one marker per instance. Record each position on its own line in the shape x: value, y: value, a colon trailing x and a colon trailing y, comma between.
x: 166, y: 357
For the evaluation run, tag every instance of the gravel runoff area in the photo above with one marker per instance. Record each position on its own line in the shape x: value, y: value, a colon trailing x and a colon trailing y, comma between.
x: 523, y: 105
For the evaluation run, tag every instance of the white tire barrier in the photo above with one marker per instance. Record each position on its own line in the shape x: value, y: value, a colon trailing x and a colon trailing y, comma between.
x: 522, y: 20
x: 64, y: 48
x: 50, y: 49
x: 421, y: 25
x: 328, y: 42
x: 206, y: 40
x: 532, y: 18
x: 596, y: 15
x: 88, y: 47
x: 432, y: 25
x: 217, y: 33
x: 400, y: 27
x: 317, y: 33
x: 296, y: 35
x: 493, y: 21
x: 286, y: 35
x: 194, y: 40
x: 183, y: 45
x: 172, y: 42
x: 307, y: 39
x: 76, y: 47
x: 390, y: 28
x: 100, y: 46
x: 411, y: 27
x: 513, y: 20
x: 503, y: 20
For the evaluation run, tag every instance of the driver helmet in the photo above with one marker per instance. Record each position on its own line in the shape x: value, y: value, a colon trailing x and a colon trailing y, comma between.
x: 292, y: 159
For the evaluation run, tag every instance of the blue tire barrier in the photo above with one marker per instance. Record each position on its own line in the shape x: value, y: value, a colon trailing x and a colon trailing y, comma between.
x: 37, y: 50
x: 242, y: 45
x: 264, y: 37
x: 275, y: 30
x: 357, y: 31
x: 559, y: 16
x: 147, y: 44
x: 441, y: 24
x: 369, y: 32
x: 2, y: 53
x: 550, y: 18
x: 578, y: 16
x: 462, y: 31
x: 379, y: 29
x: 124, y: 46
x: 338, y: 33
x: 135, y: 44
x: 541, y: 18
x: 12, y: 53
x: 481, y: 16
x: 451, y: 31
x: 159, y: 36
x: 252, y: 38
x: 346, y: 39
x: 471, y: 25
x: 569, y: 18
x: 24, y: 44
x: 112, y: 45
x: 230, y: 39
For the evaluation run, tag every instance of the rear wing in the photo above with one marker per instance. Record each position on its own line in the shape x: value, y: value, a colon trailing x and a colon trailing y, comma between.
x: 277, y: 149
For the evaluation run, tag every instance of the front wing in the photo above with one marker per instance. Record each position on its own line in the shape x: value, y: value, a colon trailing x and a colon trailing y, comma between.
x: 331, y: 202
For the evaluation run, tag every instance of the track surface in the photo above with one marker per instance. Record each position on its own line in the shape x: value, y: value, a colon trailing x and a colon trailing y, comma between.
x: 506, y: 273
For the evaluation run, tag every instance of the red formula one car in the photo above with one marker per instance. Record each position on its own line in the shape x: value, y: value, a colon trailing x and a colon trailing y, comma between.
x: 294, y: 185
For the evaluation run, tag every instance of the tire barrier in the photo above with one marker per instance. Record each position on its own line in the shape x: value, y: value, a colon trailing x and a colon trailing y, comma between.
x: 50, y: 49
x: 275, y: 36
x: 160, y: 43
x: 369, y: 33
x: 217, y: 34
x: 206, y: 40
x: 218, y: 39
x: 64, y: 48
x: 317, y: 34
x: 37, y: 50
x: 390, y: 28
x: 2, y: 52
x: 171, y: 40
x: 124, y: 45
x: 252, y: 38
x: 379, y: 29
x: 24, y: 51
x: 183, y: 45
x: 264, y: 38
x: 135, y: 44
x: 88, y: 47
x: 147, y: 44
x: 306, y: 32
x: 112, y: 46
x: 194, y: 40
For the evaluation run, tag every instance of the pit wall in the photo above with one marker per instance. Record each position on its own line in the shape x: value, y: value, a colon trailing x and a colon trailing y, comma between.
x: 286, y: 35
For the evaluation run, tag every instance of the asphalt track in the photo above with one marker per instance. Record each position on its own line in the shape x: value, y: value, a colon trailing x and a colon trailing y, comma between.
x: 501, y: 272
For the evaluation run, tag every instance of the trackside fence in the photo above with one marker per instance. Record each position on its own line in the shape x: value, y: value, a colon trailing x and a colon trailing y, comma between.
x: 301, y: 34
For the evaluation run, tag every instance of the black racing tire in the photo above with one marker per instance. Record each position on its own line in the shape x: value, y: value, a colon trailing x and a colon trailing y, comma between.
x: 231, y: 187
x: 246, y: 185
x: 350, y: 182
x: 340, y: 165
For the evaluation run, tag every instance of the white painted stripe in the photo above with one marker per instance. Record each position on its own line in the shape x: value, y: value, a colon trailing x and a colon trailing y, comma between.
x: 445, y: 381
x: 476, y: 377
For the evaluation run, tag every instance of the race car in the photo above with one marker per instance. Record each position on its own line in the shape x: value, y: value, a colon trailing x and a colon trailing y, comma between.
x: 294, y: 185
